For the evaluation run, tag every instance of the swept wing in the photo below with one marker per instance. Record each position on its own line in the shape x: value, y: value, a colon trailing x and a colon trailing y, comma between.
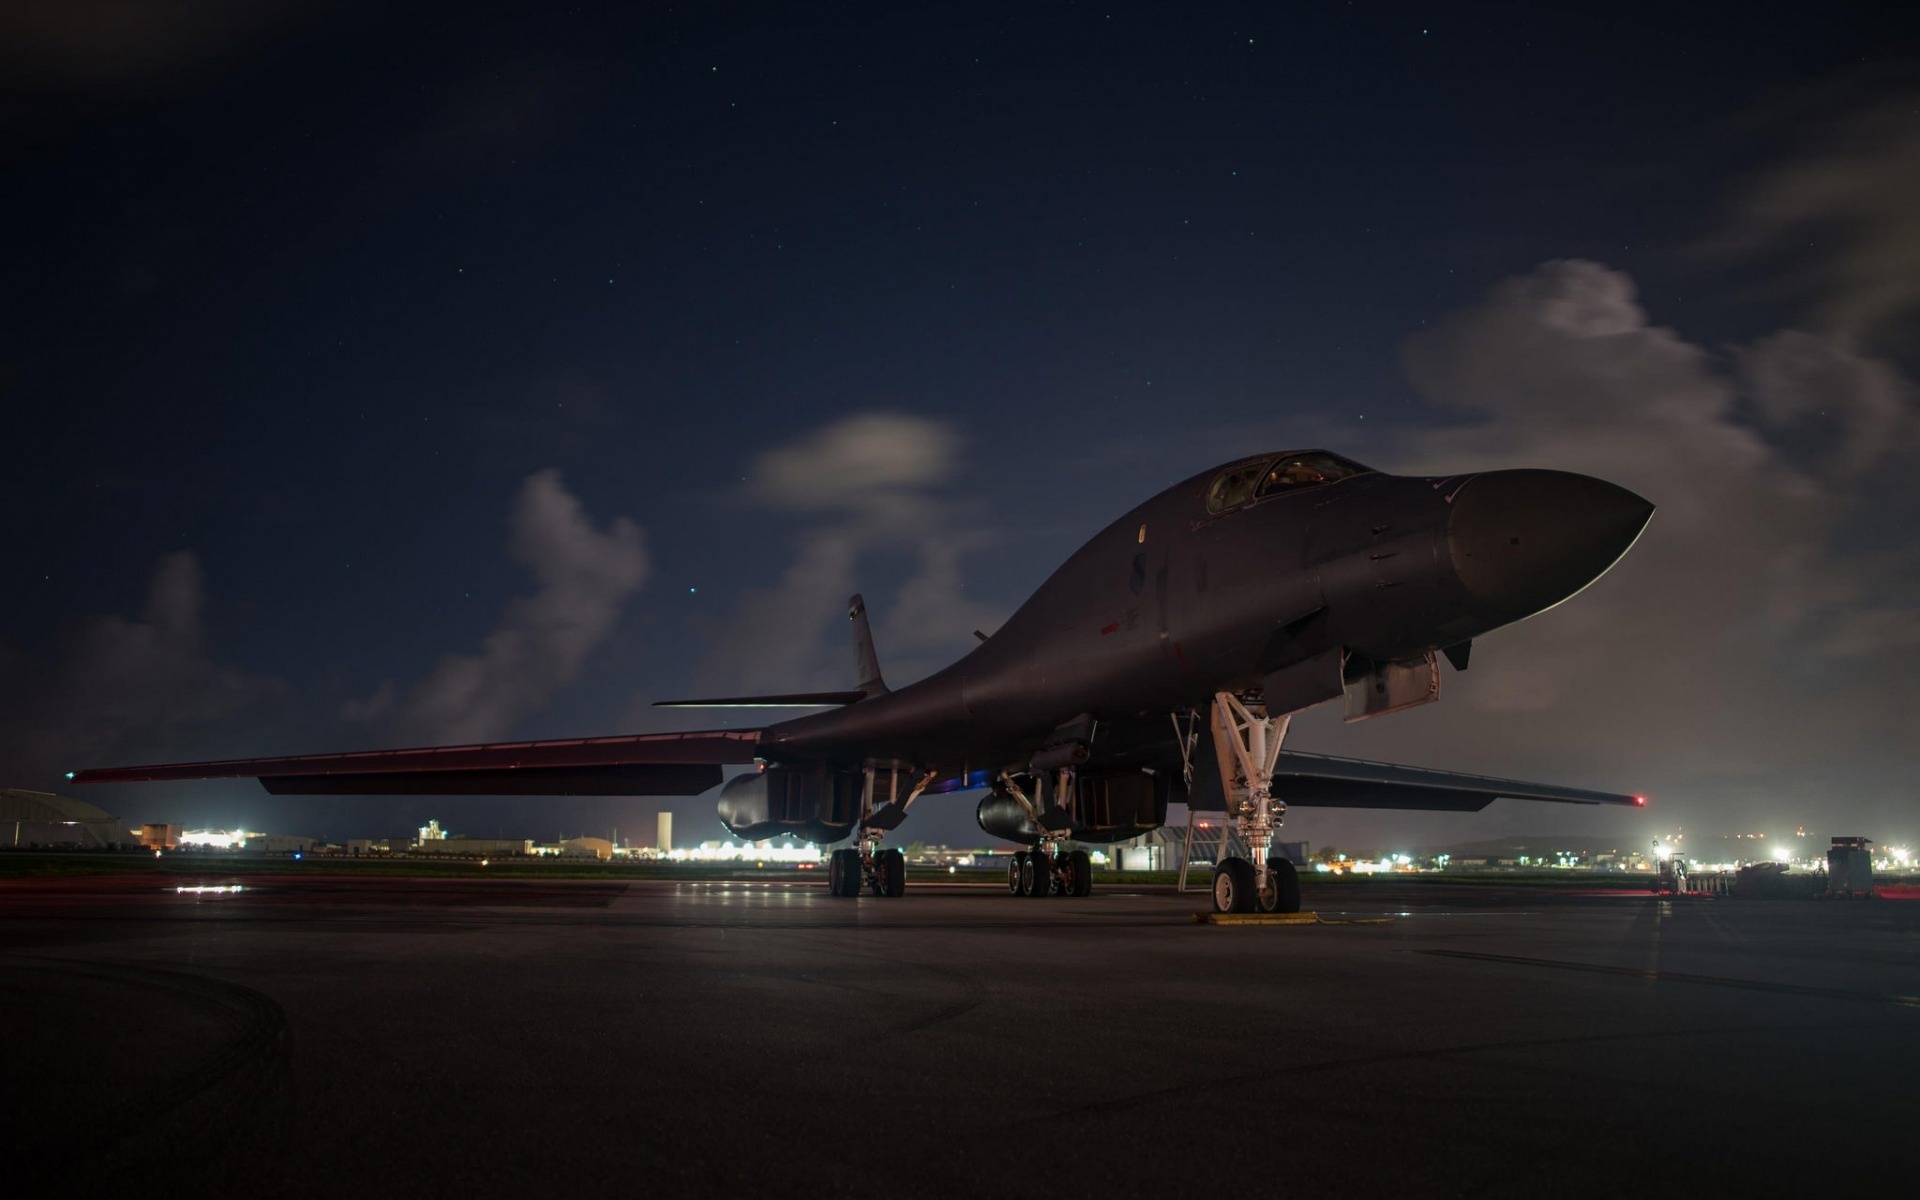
x: 648, y: 764
x: 1325, y: 781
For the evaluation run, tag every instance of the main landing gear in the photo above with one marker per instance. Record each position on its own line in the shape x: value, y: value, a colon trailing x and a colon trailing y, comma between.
x: 866, y: 864
x: 1046, y: 870
x: 1247, y: 745
x: 884, y: 873
x: 1049, y: 868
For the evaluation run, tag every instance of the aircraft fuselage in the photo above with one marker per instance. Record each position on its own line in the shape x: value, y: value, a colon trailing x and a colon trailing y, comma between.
x: 1179, y: 599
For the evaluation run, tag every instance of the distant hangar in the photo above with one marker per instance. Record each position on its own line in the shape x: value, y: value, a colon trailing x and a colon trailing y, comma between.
x: 45, y: 819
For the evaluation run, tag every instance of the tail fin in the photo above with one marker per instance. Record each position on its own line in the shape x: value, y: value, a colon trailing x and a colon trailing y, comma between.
x: 866, y: 663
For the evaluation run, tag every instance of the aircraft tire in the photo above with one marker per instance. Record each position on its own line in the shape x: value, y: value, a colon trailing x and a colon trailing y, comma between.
x: 1233, y: 886
x: 1036, y: 878
x: 843, y: 873
x: 1283, y: 888
x: 1080, y: 873
x: 893, y: 873
x: 1016, y: 869
x: 1063, y: 882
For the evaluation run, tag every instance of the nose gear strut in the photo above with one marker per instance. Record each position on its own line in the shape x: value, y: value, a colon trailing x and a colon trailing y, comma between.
x: 1247, y: 745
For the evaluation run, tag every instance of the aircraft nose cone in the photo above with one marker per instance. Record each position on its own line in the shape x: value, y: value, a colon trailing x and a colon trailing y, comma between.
x: 1523, y: 541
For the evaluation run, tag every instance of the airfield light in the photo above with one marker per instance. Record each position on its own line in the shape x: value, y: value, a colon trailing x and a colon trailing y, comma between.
x: 1780, y: 854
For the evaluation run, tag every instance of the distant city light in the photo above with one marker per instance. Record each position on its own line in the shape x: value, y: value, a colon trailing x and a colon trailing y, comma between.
x: 764, y: 852
x: 211, y: 889
x: 216, y: 839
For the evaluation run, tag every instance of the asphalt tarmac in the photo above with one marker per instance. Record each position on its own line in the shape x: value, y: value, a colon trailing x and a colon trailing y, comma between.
x: 314, y: 1036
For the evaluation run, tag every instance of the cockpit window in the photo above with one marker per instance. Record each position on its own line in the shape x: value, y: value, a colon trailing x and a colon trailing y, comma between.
x: 1246, y: 482
x: 1234, y: 487
x: 1307, y: 470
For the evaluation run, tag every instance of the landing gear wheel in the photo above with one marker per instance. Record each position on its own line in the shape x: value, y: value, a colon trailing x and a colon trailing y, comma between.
x: 1079, y: 880
x: 1036, y: 878
x: 1282, y: 893
x: 843, y: 873
x: 892, y: 869
x: 1016, y: 869
x: 1233, y: 886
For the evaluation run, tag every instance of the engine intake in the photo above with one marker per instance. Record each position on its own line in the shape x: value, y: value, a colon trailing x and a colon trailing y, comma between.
x: 1115, y: 807
x: 815, y: 803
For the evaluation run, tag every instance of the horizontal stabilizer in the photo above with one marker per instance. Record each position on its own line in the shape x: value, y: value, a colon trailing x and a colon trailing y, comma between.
x: 792, y: 700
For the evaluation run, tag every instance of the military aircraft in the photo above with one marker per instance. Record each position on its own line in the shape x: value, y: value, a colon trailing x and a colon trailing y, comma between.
x: 1233, y: 600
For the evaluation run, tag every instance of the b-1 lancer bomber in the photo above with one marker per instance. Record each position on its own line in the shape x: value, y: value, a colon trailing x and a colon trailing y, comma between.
x: 1162, y: 662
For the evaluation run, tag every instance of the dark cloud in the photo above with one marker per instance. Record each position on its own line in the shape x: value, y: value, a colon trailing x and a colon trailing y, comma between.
x: 1839, y: 220
x: 67, y: 63
x: 127, y: 688
x: 542, y: 640
x: 95, y: 45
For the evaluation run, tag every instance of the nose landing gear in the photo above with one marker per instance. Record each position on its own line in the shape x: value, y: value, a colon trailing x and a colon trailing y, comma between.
x: 1247, y: 745
x: 1237, y: 889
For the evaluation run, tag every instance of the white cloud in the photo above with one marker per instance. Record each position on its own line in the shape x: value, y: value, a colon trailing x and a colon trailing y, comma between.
x: 870, y: 465
x: 1729, y: 639
x: 867, y: 484
x: 542, y: 640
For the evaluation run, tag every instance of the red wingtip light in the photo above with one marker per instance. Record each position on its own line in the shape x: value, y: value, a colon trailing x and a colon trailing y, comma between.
x: 1640, y: 800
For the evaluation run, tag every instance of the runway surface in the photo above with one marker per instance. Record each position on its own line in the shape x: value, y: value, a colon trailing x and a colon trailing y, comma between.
x: 312, y: 1036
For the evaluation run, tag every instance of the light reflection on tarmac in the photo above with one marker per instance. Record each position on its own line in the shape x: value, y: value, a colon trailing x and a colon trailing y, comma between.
x: 320, y: 1036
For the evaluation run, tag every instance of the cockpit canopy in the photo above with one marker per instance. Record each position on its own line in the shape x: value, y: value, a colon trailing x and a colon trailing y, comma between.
x: 1245, y: 482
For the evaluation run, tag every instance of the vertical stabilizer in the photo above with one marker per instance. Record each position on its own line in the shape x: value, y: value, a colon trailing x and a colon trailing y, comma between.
x: 866, y: 664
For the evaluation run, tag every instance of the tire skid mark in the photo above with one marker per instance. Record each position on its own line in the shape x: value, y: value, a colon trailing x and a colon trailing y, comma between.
x: 1214, y: 1085
x: 974, y: 993
x: 1663, y: 976
x: 260, y: 1038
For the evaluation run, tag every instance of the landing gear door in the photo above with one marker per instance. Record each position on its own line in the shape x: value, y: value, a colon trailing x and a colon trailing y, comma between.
x: 1374, y: 688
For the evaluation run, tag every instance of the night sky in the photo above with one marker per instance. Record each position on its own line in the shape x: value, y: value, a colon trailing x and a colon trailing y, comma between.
x: 381, y: 378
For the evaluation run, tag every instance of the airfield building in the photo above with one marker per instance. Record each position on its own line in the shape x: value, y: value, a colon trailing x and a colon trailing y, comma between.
x: 461, y: 847
x: 45, y: 819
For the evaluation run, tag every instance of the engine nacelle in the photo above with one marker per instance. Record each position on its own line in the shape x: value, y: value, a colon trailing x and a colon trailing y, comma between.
x: 815, y: 803
x: 1104, y: 809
